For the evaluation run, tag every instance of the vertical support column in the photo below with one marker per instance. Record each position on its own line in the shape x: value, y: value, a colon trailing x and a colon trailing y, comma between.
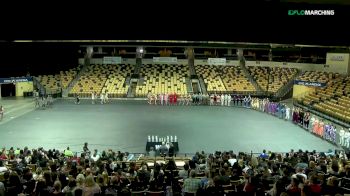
x: 0, y: 91
x: 190, y: 58
x: 138, y: 66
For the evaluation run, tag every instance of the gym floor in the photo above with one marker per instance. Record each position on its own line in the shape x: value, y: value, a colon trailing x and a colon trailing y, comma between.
x: 125, y: 125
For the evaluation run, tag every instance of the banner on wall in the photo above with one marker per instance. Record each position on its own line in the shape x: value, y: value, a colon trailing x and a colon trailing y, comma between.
x: 15, y: 80
x: 165, y: 59
x: 112, y: 60
x: 217, y: 61
x: 308, y: 83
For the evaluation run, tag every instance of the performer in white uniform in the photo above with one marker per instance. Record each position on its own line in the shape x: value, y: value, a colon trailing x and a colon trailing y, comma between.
x: 165, y: 97
x: 155, y: 96
x: 287, y: 112
x: 229, y: 100
x: 245, y: 101
x: 211, y: 99
x: 249, y: 101
x: 106, y: 97
x: 102, y: 97
x: 161, y: 97
x: 222, y: 99
x: 341, y: 137
x: 93, y: 97
x: 347, y: 138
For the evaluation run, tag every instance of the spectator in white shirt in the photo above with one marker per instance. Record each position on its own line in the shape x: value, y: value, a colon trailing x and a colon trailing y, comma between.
x: 299, y: 172
x: 95, y: 156
x: 2, y: 167
x: 232, y: 160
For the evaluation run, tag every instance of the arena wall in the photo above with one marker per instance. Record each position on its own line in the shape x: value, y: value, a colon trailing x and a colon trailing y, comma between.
x: 301, y: 90
x: 301, y: 66
x: 338, y: 63
x: 22, y: 87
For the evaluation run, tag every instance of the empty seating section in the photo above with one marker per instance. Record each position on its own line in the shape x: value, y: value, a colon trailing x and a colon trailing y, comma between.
x: 68, y: 76
x: 163, y: 78
x: 211, y: 77
x: 272, y: 79
x: 92, y: 80
x: 235, y: 80
x: 51, y: 83
x: 316, y: 76
x: 280, y: 77
x: 333, y: 100
x: 260, y: 75
x: 224, y: 79
x: 115, y: 84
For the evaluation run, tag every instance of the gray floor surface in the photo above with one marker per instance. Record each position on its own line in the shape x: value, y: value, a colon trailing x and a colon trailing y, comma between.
x: 125, y: 125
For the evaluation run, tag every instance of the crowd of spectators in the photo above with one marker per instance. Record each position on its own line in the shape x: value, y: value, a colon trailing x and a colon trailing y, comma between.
x: 54, y: 172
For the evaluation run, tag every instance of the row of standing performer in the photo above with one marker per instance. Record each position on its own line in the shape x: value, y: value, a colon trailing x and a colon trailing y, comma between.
x: 103, y: 97
x: 199, y: 99
x: 321, y: 128
x: 43, y: 101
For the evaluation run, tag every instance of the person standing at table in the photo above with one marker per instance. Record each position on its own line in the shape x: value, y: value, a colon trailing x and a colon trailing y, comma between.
x: 151, y: 152
x: 171, y: 150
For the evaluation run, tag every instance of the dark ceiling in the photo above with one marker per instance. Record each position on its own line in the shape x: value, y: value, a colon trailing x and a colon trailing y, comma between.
x: 235, y: 21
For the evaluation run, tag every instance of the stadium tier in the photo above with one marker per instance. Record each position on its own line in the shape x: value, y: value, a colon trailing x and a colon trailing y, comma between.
x: 224, y: 79
x: 163, y: 78
x: 99, y: 78
x: 68, y: 76
x: 211, y: 77
x: 235, y: 80
x: 260, y: 75
x: 317, y: 76
x: 334, y: 99
x: 51, y: 83
x: 116, y: 82
x: 272, y: 79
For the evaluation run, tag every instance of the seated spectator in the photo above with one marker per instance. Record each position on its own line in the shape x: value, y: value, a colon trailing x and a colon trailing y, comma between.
x: 68, y: 153
x: 192, y: 184
x: 263, y: 155
x: 331, y: 187
x: 205, y: 180
x: 184, y: 172
x: 232, y: 160
x: 57, y: 189
x: 69, y: 189
x: 95, y: 156
x: 277, y: 189
x: 2, y: 167
x: 215, y: 188
x: 293, y: 187
x: 224, y: 179
x: 313, y: 187
x: 90, y: 187
x: 144, y: 175
x: 2, y: 189
x: 299, y: 172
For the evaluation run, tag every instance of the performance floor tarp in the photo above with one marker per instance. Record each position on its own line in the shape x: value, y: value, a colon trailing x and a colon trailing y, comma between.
x: 125, y: 125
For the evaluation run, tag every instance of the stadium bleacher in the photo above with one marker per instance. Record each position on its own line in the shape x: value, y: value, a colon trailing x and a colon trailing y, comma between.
x: 157, y: 79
